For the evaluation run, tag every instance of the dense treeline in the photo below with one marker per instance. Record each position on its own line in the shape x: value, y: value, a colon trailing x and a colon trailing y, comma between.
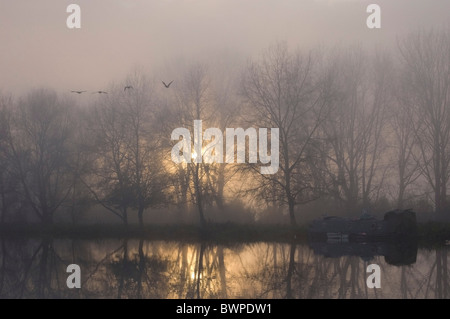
x: 358, y: 130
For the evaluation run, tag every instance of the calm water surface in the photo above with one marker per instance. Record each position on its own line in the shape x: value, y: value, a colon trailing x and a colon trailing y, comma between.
x: 110, y: 268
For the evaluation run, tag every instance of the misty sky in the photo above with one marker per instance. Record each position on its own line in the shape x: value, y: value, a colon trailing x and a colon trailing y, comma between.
x: 38, y: 50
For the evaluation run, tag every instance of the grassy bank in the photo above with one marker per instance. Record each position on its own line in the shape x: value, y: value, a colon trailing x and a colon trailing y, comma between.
x: 429, y: 234
x: 214, y: 232
x: 433, y: 233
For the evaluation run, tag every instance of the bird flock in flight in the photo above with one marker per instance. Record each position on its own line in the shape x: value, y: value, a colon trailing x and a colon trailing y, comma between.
x: 127, y: 87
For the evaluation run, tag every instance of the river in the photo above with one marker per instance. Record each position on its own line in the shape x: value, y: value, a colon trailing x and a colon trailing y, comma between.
x: 118, y: 268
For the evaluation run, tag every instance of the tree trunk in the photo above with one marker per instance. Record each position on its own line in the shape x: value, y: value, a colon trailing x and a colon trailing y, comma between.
x: 141, y: 216
x: 200, y: 270
x: 220, y: 186
x: 141, y: 268
x: 125, y: 216
x: 400, y: 197
x: 287, y: 178
x: 198, y: 196
x: 291, y: 269
x: 222, y: 271
x: 292, y: 213
x: 46, y: 243
x: 184, y: 183
x: 121, y: 280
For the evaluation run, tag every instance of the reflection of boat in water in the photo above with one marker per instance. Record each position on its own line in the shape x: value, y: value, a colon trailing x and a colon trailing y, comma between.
x: 403, y: 253
x: 396, y: 224
x: 394, y: 237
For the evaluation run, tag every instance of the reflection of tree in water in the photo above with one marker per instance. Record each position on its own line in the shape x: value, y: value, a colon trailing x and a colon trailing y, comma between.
x: 127, y: 271
x: 160, y: 270
x: 143, y: 269
x: 199, y: 272
x: 301, y: 274
x: 294, y: 271
x: 32, y: 269
x: 139, y: 275
x: 427, y: 280
x: 266, y: 271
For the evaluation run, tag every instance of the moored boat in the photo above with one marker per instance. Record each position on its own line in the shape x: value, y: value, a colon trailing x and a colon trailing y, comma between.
x: 396, y: 224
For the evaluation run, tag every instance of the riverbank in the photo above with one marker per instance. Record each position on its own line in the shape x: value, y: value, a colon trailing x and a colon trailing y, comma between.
x: 429, y: 234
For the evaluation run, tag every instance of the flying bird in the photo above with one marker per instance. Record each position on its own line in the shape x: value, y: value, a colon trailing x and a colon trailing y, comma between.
x: 100, y: 92
x: 78, y: 92
x: 167, y: 85
x: 128, y: 87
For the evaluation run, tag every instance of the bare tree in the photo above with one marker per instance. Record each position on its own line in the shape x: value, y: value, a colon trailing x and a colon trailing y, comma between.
x: 206, y: 92
x: 403, y: 143
x: 354, y: 131
x: 39, y: 147
x: 282, y: 91
x: 426, y: 66
x: 193, y: 102
x: 8, y: 184
x: 225, y: 101
x: 128, y: 171
x: 109, y: 181
x: 144, y: 149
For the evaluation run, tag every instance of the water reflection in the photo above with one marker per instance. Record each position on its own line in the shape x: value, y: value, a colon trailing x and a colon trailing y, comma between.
x: 395, y: 253
x: 155, y: 269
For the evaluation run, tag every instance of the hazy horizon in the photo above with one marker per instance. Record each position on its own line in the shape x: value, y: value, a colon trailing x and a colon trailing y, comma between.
x: 116, y: 36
